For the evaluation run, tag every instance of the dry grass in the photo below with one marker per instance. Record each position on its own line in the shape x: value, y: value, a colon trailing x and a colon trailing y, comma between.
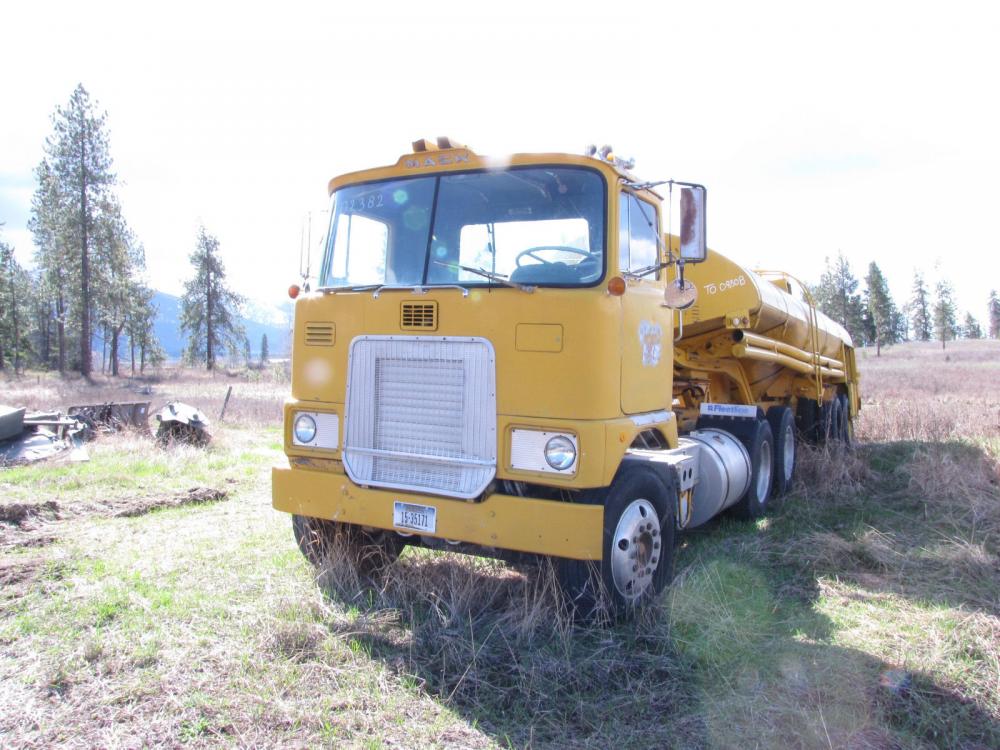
x: 256, y: 399
x: 203, y: 626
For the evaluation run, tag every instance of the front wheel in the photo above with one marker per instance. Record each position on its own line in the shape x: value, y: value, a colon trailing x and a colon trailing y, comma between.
x: 369, y: 551
x: 638, y: 551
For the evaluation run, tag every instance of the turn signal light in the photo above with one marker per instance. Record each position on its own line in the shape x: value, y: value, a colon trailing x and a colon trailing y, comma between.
x: 616, y: 286
x: 293, y: 291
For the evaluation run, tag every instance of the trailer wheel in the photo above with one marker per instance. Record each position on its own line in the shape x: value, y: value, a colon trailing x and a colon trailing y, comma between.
x: 638, y: 551
x: 370, y: 551
x: 845, y: 429
x: 785, y: 450
x: 807, y: 419
x: 761, y: 450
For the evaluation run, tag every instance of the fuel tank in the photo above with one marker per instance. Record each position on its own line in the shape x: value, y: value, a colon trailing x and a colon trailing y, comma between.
x: 769, y: 304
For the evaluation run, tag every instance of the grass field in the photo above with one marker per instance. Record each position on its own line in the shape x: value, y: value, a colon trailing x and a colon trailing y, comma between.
x: 152, y: 597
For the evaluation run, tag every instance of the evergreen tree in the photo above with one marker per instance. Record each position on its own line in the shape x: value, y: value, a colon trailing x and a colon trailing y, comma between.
x: 265, y: 355
x: 836, y: 295
x: 54, y: 259
x: 880, y: 310
x: 139, y: 326
x: 121, y: 260
x: 80, y: 164
x: 994, y: 315
x: 971, y: 328
x: 945, y: 323
x: 920, y: 309
x: 14, y: 318
x: 209, y: 309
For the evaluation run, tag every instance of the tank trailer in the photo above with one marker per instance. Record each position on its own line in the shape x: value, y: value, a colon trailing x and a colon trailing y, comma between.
x: 540, y: 357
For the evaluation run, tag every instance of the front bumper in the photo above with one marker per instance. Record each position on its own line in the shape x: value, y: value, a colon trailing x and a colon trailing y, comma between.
x: 510, y: 522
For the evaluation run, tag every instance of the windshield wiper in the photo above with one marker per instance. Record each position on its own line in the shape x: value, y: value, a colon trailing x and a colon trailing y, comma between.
x: 497, y: 278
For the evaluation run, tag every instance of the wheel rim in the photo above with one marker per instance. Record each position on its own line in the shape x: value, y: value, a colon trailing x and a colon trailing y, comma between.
x: 635, y: 549
x: 764, y: 472
x: 789, y: 452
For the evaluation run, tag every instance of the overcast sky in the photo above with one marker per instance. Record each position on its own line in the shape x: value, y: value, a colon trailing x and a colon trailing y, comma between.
x: 871, y: 128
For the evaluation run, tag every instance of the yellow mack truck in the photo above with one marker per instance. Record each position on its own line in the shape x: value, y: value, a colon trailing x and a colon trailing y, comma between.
x: 521, y: 358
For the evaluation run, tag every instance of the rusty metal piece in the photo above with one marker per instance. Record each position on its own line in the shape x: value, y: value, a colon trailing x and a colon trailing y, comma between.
x: 113, y: 415
x: 182, y: 423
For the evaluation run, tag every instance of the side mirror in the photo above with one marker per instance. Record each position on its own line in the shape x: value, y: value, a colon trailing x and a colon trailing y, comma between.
x: 693, y: 244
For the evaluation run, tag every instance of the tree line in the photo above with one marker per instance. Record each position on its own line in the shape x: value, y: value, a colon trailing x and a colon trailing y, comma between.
x: 87, y: 286
x: 873, y: 318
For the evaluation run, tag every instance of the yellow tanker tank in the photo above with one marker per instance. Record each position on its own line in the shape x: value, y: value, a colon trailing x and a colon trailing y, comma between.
x: 756, y: 338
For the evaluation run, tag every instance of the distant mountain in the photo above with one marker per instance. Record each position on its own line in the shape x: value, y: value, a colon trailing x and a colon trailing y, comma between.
x: 261, y: 319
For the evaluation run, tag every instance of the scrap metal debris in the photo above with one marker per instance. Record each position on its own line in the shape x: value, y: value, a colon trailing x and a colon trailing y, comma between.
x: 114, y: 415
x: 28, y: 437
x: 182, y: 423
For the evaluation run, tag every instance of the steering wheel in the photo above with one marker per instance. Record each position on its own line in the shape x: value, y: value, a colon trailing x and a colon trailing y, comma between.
x: 531, y: 252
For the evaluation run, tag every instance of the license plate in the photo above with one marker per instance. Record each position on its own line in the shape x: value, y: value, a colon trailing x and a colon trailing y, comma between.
x: 414, y: 517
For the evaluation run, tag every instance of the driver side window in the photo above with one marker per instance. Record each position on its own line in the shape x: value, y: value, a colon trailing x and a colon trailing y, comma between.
x: 637, y: 234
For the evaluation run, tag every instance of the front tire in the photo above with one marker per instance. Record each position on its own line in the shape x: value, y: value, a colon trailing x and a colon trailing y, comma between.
x: 638, y: 551
x: 369, y: 551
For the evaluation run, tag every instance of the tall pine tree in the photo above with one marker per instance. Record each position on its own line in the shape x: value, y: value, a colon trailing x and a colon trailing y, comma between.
x: 880, y: 310
x: 836, y: 295
x: 945, y: 321
x: 971, y: 328
x: 920, y: 309
x: 209, y: 309
x: 993, y: 315
x: 15, y: 291
x: 80, y: 164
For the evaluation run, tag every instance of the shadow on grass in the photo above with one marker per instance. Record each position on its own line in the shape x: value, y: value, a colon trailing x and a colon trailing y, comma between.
x: 737, y: 652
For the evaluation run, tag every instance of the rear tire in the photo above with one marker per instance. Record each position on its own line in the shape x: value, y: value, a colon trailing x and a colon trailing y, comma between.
x: 371, y: 551
x: 761, y: 450
x: 637, y: 552
x: 785, y: 448
x: 807, y: 419
x: 845, y: 431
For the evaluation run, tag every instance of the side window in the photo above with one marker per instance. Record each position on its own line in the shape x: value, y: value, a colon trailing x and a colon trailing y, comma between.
x: 623, y: 232
x: 637, y: 234
x: 643, y: 231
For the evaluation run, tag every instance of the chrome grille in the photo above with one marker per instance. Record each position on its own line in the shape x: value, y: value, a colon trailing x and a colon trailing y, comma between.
x: 418, y: 315
x: 421, y: 414
x: 320, y: 334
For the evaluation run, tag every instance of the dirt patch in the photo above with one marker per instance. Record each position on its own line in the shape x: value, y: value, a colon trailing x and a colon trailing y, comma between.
x: 130, y: 507
x: 19, y: 574
x: 24, y: 514
x: 29, y: 525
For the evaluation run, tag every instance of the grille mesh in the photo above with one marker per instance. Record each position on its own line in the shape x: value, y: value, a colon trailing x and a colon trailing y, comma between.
x: 421, y: 414
x: 418, y: 315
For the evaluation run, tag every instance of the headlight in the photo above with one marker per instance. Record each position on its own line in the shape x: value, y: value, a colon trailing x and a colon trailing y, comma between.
x: 560, y: 453
x: 304, y: 428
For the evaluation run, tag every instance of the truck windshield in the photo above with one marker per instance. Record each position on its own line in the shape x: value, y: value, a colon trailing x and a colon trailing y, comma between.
x: 539, y: 226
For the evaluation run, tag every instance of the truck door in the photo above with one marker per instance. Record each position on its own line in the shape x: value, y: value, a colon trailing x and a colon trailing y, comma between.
x: 647, y: 326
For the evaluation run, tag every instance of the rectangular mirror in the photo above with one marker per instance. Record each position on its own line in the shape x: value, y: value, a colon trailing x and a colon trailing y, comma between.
x: 693, y: 244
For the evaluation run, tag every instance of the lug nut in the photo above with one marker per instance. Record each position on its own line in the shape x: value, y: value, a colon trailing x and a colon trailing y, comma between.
x: 654, y: 560
x: 656, y: 545
x: 655, y: 532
